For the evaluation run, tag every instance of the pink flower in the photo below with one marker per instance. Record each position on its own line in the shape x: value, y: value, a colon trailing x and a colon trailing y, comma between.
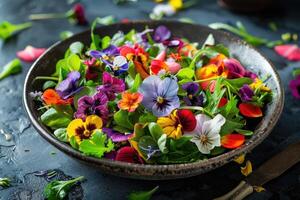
x: 30, y: 54
x: 295, y: 87
x: 289, y: 51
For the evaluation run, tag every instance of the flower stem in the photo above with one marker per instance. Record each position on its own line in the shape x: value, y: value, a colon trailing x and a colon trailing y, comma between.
x: 23, y: 26
x: 196, y: 58
x: 47, y: 16
x: 204, y: 80
x: 46, y: 78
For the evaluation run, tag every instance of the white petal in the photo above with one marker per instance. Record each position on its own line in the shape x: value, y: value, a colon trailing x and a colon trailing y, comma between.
x: 201, y: 118
x: 165, y: 9
x: 119, y: 61
x: 212, y: 127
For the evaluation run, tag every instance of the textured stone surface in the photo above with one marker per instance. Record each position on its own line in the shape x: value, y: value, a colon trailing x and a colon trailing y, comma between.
x: 28, y: 152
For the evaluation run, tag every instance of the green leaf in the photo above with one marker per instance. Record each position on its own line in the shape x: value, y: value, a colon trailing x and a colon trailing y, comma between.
x: 65, y: 34
x: 73, y: 62
x: 61, y: 134
x: 239, y: 82
x: 7, y: 29
x: 118, y: 39
x: 130, y: 35
x: 107, y: 20
x: 4, y: 182
x: 73, y: 143
x: 142, y: 195
x: 136, y: 84
x: 49, y: 84
x: 162, y: 142
x: 105, y: 42
x: 13, y: 67
x: 85, y: 91
x: 58, y: 190
x: 121, y: 118
x: 147, y: 117
x: 54, y: 119
x: 155, y: 130
x: 185, y: 73
x: 217, y: 151
x: 220, y: 48
x: 244, y: 132
x: 145, y: 143
x: 97, y: 145
x: 131, y: 70
x: 230, y: 126
x: 76, y: 47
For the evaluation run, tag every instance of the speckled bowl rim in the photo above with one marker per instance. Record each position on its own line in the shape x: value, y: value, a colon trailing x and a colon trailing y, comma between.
x: 156, y: 172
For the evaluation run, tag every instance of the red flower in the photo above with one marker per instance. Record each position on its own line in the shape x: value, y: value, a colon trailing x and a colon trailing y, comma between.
x: 93, y: 70
x: 157, y: 65
x: 78, y: 14
x: 128, y: 154
x: 250, y: 110
x: 232, y: 141
x: 289, y: 51
x: 51, y: 97
x: 30, y: 54
x: 187, y: 119
x: 223, y: 102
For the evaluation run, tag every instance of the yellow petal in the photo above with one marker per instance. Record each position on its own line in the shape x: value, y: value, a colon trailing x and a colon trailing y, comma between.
x: 240, y: 159
x: 165, y: 121
x: 73, y: 125
x: 259, y: 189
x: 176, y: 4
x: 247, y: 169
x: 94, y: 119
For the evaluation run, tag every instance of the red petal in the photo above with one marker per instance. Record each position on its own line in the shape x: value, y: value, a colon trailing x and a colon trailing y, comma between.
x: 223, y: 102
x: 232, y: 141
x: 187, y: 119
x: 157, y: 65
x: 128, y: 154
x: 30, y: 54
x: 289, y: 51
x: 250, y: 110
x: 124, y: 50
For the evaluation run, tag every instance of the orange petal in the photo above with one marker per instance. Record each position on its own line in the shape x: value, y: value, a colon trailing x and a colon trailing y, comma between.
x: 140, y: 69
x: 232, y: 141
x: 250, y: 110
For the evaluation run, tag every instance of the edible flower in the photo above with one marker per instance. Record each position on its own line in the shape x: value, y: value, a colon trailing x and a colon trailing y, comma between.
x: 295, y: 87
x: 93, y: 70
x: 93, y: 105
x: 69, y: 86
x: 193, y: 98
x: 111, y: 85
x: 30, y: 54
x: 250, y: 110
x: 51, y: 97
x: 206, y: 134
x: 139, y: 57
x: 161, y: 34
x: 259, y: 85
x: 246, y: 93
x: 128, y: 154
x: 247, y: 170
x: 177, y: 122
x: 232, y: 141
x: 84, y: 129
x: 130, y: 101
x: 115, y: 136
x: 160, y: 96
x: 234, y: 67
x: 159, y: 63
x: 288, y: 51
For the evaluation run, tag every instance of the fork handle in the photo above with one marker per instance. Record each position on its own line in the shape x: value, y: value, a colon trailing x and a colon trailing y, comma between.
x: 238, y: 193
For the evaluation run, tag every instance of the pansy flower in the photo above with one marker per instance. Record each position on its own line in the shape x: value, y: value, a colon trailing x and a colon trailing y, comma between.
x: 128, y: 154
x: 160, y: 96
x: 259, y: 85
x: 69, y: 86
x: 295, y: 87
x: 246, y: 93
x: 177, y: 122
x: 83, y: 129
x: 51, y: 97
x: 93, y: 105
x: 159, y: 63
x: 139, y: 57
x: 161, y: 34
x: 111, y: 85
x: 130, y: 101
x: 193, y: 98
x: 206, y: 135
x: 93, y: 70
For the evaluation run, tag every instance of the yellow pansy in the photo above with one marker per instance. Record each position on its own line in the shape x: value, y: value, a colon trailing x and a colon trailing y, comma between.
x: 83, y: 130
x: 258, y: 84
x: 176, y: 4
x: 171, y: 125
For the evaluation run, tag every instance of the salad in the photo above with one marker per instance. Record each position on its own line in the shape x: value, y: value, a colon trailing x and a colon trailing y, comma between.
x: 151, y: 98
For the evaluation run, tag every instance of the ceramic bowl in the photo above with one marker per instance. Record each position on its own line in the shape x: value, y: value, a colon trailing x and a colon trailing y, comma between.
x: 249, y: 57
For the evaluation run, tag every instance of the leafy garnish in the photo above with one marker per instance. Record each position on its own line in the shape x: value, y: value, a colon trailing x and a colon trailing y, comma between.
x: 57, y: 190
x: 97, y: 145
x: 142, y: 195
x: 7, y: 29
x: 13, y: 67
x: 5, y: 182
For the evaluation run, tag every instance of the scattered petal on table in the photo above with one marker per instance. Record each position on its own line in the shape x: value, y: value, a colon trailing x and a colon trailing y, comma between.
x: 30, y: 53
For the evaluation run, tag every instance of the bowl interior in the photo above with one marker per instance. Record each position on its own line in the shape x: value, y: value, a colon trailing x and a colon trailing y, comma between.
x: 248, y: 56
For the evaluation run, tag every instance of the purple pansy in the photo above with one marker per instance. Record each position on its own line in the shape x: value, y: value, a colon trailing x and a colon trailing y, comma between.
x: 111, y: 57
x: 160, y: 96
x: 295, y: 87
x: 251, y: 75
x: 69, y: 86
x: 235, y: 69
x: 161, y: 34
x: 193, y: 98
x: 246, y: 93
x: 93, y: 105
x: 116, y: 136
x: 111, y: 85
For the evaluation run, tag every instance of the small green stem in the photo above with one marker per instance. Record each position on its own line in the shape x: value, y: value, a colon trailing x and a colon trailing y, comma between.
x: 47, y: 16
x: 196, y: 58
x: 46, y: 78
x: 204, y: 80
x: 23, y: 26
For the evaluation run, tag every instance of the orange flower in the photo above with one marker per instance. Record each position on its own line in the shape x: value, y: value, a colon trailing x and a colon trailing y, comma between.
x: 130, y: 101
x: 215, y: 68
x: 51, y: 97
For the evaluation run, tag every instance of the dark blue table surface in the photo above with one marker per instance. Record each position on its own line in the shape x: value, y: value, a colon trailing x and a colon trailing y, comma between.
x: 28, y: 152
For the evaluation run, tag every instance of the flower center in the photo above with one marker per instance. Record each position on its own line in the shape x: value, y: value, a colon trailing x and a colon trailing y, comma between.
x: 203, y: 139
x: 190, y: 96
x: 115, y: 68
x: 105, y: 57
x: 160, y: 99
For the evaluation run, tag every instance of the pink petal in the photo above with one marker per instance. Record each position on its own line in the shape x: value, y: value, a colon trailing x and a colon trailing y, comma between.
x: 174, y: 67
x: 289, y: 51
x: 30, y: 54
x: 161, y: 56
